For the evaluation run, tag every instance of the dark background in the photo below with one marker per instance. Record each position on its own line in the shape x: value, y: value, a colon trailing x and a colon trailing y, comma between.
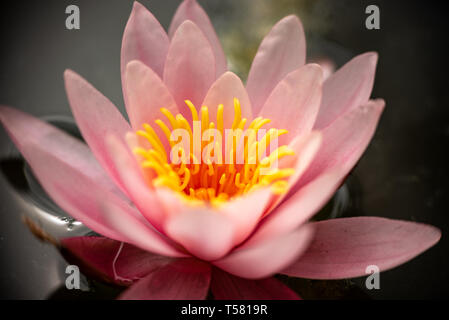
x: 402, y: 175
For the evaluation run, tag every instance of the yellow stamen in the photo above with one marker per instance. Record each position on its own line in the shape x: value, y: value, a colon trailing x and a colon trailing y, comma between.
x: 202, y: 181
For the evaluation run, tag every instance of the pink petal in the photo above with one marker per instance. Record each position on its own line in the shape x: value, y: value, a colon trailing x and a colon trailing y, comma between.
x: 223, y: 91
x: 281, y: 51
x: 96, y: 116
x: 145, y: 40
x: 170, y: 201
x: 245, y: 212
x: 344, y: 141
x: 267, y: 258
x: 112, y: 260
x: 295, y: 101
x: 131, y: 177
x: 147, y: 94
x: 327, y: 65
x: 299, y: 208
x: 252, y: 204
x: 191, y: 10
x: 66, y: 169
x: 206, y: 234
x: 139, y: 234
x: 343, y: 248
x: 84, y: 198
x: 225, y: 286
x: 306, y: 147
x: 99, y: 208
x: 347, y: 89
x: 190, y: 66
x: 179, y: 280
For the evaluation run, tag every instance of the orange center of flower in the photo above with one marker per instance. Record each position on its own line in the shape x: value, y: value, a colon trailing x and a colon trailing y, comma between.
x: 210, y: 163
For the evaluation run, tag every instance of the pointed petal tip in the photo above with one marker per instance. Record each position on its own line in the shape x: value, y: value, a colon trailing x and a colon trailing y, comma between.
x: 292, y: 18
x: 69, y: 73
x: 370, y: 58
x: 133, y: 65
x: 137, y: 6
x: 437, y: 235
x: 231, y: 75
x: 381, y: 103
x: 316, y: 68
x: 373, y: 55
x: 187, y: 24
x: 71, y: 76
x: 378, y: 103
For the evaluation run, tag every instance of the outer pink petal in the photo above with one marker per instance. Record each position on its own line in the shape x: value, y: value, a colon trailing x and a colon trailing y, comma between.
x: 131, y: 177
x: 139, y: 234
x: 299, y: 208
x: 145, y: 40
x: 225, y: 286
x: 66, y: 168
x: 96, y: 116
x: 179, y: 280
x: 267, y: 258
x: 347, y: 89
x: 223, y: 91
x: 190, y: 10
x: 205, y: 233
x: 147, y: 94
x: 345, y: 140
x: 295, y: 101
x: 112, y: 260
x: 281, y: 51
x: 343, y: 248
x: 190, y: 66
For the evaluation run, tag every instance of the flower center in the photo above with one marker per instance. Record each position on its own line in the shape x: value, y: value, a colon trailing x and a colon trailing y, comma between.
x: 210, y: 163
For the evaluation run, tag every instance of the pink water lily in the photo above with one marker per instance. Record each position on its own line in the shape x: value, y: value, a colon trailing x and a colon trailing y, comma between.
x: 174, y: 232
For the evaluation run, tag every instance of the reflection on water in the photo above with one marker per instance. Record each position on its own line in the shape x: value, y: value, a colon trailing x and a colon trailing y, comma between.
x: 43, y: 212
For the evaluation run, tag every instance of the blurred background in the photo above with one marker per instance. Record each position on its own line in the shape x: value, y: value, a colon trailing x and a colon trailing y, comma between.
x: 402, y: 175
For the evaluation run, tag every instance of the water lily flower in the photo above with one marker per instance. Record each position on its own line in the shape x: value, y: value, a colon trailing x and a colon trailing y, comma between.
x: 175, y: 230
